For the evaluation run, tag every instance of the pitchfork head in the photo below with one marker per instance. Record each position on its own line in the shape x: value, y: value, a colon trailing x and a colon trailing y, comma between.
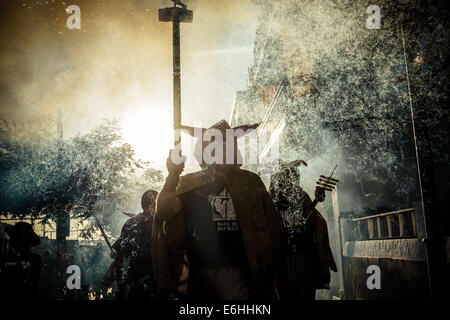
x: 324, y: 184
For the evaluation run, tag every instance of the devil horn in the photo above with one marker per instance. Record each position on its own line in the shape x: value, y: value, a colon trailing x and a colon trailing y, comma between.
x: 298, y: 163
x: 191, y: 130
x: 245, y: 129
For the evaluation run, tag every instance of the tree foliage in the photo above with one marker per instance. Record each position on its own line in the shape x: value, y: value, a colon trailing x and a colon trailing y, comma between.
x: 92, y: 174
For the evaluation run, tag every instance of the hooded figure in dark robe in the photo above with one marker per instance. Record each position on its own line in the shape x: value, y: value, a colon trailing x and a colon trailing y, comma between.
x: 309, y: 257
x: 216, y: 233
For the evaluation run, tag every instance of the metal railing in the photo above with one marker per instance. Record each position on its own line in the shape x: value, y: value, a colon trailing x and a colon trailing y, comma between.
x: 390, y: 225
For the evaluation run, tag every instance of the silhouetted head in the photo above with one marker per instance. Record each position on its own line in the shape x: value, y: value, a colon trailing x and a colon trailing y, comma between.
x: 287, y: 178
x: 22, y: 236
x: 148, y: 201
x: 217, y: 146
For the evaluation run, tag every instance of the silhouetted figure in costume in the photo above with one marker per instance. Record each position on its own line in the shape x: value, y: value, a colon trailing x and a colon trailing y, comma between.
x: 217, y: 235
x: 133, y: 261
x: 20, y: 268
x: 310, y: 258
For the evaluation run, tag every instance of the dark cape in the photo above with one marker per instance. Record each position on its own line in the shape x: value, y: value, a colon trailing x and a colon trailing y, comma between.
x: 261, y: 227
x: 310, y: 264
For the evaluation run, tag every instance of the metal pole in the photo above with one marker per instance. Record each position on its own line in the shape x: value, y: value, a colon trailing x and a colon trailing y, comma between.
x: 176, y: 14
x: 419, y: 174
x: 105, y: 237
x: 176, y: 82
x: 61, y: 219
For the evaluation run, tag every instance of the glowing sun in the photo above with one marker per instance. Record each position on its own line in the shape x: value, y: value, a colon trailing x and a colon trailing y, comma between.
x: 149, y: 130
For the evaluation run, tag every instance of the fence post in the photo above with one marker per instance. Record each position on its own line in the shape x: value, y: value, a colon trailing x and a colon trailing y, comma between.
x: 401, y: 225
x: 389, y: 226
x: 380, y: 234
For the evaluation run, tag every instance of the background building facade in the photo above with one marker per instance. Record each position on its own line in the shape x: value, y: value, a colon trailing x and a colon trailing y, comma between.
x: 331, y: 91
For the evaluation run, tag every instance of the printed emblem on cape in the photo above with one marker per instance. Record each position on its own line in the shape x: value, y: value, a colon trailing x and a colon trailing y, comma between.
x: 222, y: 207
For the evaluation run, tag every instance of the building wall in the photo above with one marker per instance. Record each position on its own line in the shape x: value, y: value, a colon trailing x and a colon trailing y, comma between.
x: 346, y: 101
x: 400, y: 279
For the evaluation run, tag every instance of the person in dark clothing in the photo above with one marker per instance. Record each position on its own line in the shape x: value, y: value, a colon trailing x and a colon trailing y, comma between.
x: 133, y: 261
x: 216, y: 247
x: 309, y: 256
x: 20, y: 268
x: 217, y: 235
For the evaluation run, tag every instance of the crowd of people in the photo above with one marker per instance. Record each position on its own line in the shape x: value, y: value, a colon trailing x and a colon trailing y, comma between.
x: 216, y: 234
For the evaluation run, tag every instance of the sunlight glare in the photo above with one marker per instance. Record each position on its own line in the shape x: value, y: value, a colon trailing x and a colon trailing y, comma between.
x: 149, y: 131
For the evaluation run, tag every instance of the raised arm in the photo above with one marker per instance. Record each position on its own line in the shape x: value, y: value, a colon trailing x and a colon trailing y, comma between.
x: 167, y: 204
